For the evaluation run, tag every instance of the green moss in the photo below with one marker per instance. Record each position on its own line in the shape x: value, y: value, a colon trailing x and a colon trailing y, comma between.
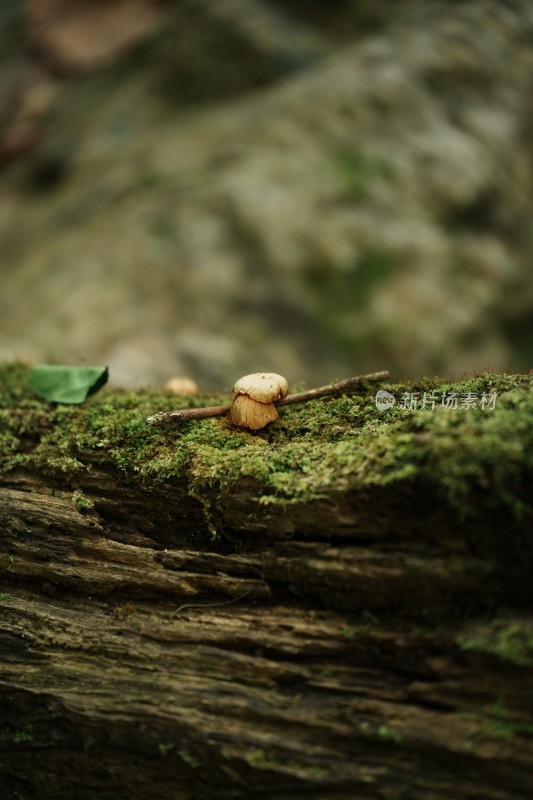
x: 384, y: 732
x: 21, y: 737
x: 390, y: 735
x: 339, y: 300
x: 510, y: 641
x: 495, y: 724
x: 124, y: 611
x: 81, y: 502
x: 357, y: 171
x: 476, y: 458
x: 360, y: 633
x: 318, y: 772
x: 261, y: 760
x: 189, y: 759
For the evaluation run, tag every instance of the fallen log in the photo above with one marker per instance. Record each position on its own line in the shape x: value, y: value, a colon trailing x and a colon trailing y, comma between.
x: 339, y: 605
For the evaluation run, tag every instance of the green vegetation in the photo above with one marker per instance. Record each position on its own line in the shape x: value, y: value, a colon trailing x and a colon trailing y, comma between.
x: 318, y: 772
x: 390, y: 735
x: 510, y: 641
x: 357, y: 171
x: 81, y: 503
x: 21, y: 737
x: 124, y: 611
x: 352, y: 290
x: 496, y: 724
x: 383, y: 732
x: 188, y: 758
x: 261, y: 760
x: 473, y: 457
x: 65, y: 384
x: 372, y: 268
x: 359, y: 633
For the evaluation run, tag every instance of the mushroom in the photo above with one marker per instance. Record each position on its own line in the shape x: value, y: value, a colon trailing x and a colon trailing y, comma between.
x: 182, y: 385
x: 255, y: 395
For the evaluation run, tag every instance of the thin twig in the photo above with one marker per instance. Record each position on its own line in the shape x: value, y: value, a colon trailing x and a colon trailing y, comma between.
x: 332, y: 389
x: 168, y: 417
x: 341, y: 387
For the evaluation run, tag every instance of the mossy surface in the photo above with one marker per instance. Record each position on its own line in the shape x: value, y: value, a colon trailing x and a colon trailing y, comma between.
x: 496, y: 723
x: 477, y: 457
x: 508, y: 640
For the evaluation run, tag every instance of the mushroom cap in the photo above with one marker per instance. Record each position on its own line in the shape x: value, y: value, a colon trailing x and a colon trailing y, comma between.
x: 180, y: 384
x: 265, y: 387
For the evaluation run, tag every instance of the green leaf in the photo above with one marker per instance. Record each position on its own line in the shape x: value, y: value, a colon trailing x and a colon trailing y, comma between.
x: 59, y: 384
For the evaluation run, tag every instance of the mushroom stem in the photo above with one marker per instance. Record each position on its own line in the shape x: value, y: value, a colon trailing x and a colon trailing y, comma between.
x: 330, y: 390
x: 248, y: 413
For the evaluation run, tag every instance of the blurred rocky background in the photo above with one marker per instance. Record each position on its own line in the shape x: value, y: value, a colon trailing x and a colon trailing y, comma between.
x: 213, y: 187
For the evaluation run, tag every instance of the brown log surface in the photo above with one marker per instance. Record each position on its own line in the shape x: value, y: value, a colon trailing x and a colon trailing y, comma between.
x: 377, y: 645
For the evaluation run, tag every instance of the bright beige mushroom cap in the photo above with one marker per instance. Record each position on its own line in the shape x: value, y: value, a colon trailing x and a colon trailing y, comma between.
x: 265, y: 387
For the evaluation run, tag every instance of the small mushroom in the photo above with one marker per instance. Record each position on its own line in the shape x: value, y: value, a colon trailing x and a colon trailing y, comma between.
x: 181, y: 385
x: 255, y: 395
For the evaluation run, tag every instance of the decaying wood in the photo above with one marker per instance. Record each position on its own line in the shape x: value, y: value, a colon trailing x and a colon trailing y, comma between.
x: 366, y: 644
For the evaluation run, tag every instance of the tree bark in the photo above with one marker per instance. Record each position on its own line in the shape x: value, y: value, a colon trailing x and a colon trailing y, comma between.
x: 367, y: 644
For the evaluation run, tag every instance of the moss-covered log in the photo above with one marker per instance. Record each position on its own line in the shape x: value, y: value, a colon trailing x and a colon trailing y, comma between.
x: 353, y: 588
